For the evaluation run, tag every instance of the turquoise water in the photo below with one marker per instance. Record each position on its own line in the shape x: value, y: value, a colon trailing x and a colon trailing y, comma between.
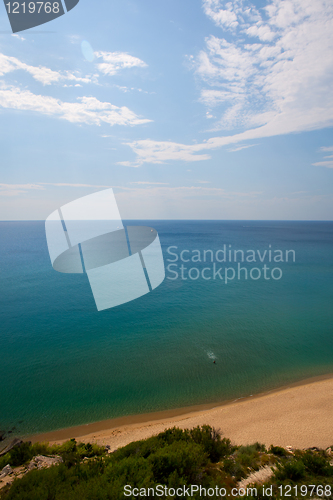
x: 63, y: 363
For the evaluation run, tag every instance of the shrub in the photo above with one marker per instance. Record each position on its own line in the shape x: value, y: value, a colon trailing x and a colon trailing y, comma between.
x: 20, y: 454
x: 184, y: 458
x: 317, y: 464
x: 174, y: 434
x: 293, y: 470
x: 278, y: 451
x: 249, y: 456
x: 234, y: 469
x: 208, y: 438
x: 259, y: 447
x: 4, y: 461
x: 213, y: 444
x: 173, y: 458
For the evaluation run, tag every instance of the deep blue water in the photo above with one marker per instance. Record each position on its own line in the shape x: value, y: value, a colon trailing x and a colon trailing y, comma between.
x: 62, y: 363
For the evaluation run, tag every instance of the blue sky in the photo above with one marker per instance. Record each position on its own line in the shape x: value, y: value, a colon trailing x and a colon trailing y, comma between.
x: 191, y: 109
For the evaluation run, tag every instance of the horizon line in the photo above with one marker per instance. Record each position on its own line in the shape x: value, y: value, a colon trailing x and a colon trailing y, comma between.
x: 195, y: 220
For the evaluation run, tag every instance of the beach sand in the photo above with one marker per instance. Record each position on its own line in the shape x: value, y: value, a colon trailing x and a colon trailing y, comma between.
x: 300, y: 416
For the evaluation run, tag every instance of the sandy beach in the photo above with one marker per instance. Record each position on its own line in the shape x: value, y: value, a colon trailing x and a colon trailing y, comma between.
x: 300, y: 416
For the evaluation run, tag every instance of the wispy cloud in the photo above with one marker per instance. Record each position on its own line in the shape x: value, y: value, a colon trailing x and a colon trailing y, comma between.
x: 113, y: 62
x: 190, y: 192
x: 17, y: 189
x: 328, y: 162
x: 239, y: 148
x: 149, y: 151
x: 19, y: 37
x: 195, y: 202
x: 187, y: 202
x: 150, y: 183
x: 272, y: 76
x: 88, y: 110
x: 141, y: 189
x: 66, y: 184
x: 182, y: 201
x: 276, y: 63
x: 225, y: 18
x: 89, y: 186
x: 44, y: 75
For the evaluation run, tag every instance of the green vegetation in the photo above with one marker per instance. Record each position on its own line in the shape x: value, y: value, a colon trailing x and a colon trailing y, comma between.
x: 278, y: 451
x: 174, y: 458
x: 71, y: 453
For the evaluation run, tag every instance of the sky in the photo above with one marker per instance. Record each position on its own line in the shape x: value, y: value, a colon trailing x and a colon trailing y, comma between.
x: 191, y: 109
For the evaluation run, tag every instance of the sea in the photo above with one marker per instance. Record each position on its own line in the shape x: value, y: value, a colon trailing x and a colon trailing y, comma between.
x: 63, y: 363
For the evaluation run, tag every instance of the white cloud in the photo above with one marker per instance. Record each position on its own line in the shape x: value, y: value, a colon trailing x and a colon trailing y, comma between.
x: 263, y: 32
x: 149, y: 151
x: 113, y: 62
x: 88, y: 110
x: 17, y: 189
x: 182, y: 202
x: 44, y: 75
x: 195, y: 202
x: 291, y: 72
x: 273, y: 76
x: 150, y: 183
x: 221, y: 17
x: 239, y: 148
x: 213, y: 98
x: 65, y: 184
x: 190, y: 192
x: 143, y: 188
x: 179, y: 202
x: 327, y: 164
x: 74, y: 39
x: 15, y: 35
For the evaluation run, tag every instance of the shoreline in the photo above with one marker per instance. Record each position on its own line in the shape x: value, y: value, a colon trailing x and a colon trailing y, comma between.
x: 298, y: 414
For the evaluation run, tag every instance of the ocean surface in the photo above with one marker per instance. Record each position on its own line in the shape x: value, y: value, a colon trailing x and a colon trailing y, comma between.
x: 62, y: 363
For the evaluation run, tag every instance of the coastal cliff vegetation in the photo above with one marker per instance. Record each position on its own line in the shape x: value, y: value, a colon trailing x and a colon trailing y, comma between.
x: 174, y: 458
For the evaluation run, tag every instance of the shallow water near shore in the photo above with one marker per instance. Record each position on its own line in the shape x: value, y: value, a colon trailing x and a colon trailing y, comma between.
x: 65, y: 364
